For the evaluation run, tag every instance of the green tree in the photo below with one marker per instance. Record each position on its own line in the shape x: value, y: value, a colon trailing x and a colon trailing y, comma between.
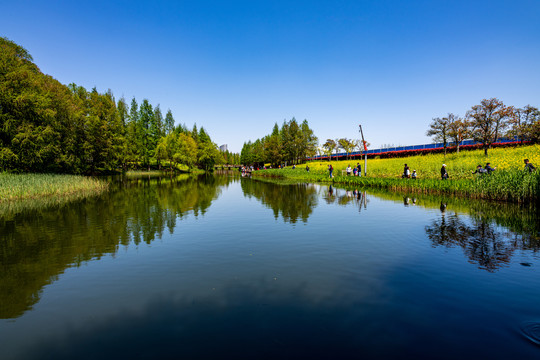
x: 208, y: 152
x: 309, y: 141
x: 123, y: 113
x: 132, y: 132
x: 347, y: 144
x: 246, y: 156
x: 186, y: 151
x: 144, y: 136
x: 156, y: 132
x: 273, y: 149
x: 329, y: 147
x: 195, y: 133
x: 169, y: 122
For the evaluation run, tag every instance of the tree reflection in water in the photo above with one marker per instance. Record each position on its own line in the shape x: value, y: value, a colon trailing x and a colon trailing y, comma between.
x: 483, y: 242
x: 38, y: 244
x: 294, y: 202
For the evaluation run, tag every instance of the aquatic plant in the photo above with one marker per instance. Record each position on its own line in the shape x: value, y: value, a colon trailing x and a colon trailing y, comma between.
x: 32, y: 186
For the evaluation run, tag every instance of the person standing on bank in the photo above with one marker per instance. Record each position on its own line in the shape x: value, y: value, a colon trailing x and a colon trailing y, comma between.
x: 359, y: 169
x: 444, y: 173
x: 330, y: 170
x: 349, y: 170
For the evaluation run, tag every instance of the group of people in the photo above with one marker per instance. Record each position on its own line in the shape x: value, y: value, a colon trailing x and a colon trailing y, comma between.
x: 479, y: 170
x: 486, y: 170
x: 407, y: 173
x: 356, y: 171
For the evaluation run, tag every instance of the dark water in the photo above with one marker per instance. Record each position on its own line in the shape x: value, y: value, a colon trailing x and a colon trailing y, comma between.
x: 224, y: 267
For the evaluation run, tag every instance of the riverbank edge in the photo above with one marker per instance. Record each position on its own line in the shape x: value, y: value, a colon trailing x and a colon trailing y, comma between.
x: 510, y: 186
x: 31, y: 186
x: 15, y: 187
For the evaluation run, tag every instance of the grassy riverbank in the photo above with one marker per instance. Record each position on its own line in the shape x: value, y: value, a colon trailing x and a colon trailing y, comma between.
x: 508, y: 183
x: 459, y: 166
x: 33, y: 186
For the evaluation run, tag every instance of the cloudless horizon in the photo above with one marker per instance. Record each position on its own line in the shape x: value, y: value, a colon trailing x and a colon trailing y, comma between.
x: 238, y: 67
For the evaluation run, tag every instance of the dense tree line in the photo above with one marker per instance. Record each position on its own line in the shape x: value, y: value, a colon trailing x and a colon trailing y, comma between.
x: 46, y: 126
x: 486, y: 123
x: 291, y: 143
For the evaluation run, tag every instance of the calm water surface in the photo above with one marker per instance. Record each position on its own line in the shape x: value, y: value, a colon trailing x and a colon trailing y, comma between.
x: 227, y: 267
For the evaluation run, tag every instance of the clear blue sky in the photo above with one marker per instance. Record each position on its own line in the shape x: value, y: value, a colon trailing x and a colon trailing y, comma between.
x: 237, y: 67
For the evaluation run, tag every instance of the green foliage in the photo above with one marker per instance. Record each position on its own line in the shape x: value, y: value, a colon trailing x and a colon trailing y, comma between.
x: 329, y: 146
x: 49, y: 127
x: 208, y: 155
x: 229, y: 158
x: 185, y: 151
x: 169, y: 122
x: 347, y: 145
x: 292, y: 144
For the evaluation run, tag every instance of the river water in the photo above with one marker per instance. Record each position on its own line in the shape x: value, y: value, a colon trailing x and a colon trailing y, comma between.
x: 230, y: 267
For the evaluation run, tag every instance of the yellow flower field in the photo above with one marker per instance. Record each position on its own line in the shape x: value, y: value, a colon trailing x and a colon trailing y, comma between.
x: 459, y: 166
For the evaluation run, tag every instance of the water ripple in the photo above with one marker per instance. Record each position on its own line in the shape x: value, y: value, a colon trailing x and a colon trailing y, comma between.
x: 531, y: 330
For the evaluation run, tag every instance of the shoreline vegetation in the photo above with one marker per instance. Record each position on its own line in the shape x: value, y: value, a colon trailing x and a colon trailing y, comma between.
x: 49, y: 127
x: 163, y: 172
x: 14, y: 187
x: 508, y: 183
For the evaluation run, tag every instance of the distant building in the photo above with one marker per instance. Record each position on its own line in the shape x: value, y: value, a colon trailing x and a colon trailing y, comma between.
x: 223, y: 148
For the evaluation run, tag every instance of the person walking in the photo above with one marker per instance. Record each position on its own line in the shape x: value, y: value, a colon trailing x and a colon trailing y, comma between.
x: 330, y: 170
x: 444, y: 173
x: 528, y: 166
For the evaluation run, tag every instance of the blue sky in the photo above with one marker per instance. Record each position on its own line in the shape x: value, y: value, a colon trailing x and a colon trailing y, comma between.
x: 237, y: 67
